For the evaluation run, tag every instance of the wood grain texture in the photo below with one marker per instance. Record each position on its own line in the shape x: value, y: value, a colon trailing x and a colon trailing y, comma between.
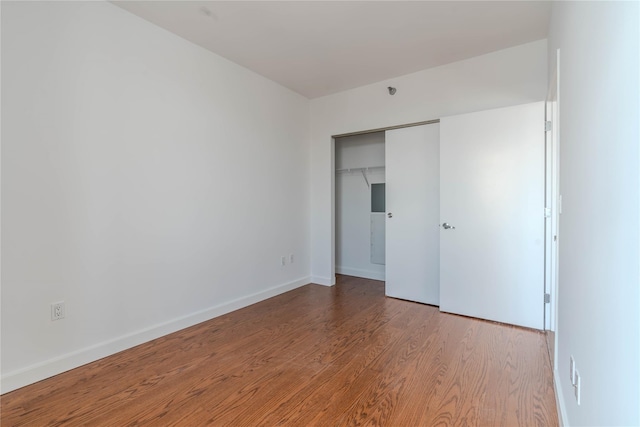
x: 551, y: 342
x: 345, y: 355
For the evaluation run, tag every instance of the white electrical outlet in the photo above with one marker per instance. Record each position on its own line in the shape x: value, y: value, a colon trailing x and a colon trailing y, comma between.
x: 577, y: 387
x: 57, y: 310
x: 283, y: 260
x: 572, y: 370
x: 290, y: 258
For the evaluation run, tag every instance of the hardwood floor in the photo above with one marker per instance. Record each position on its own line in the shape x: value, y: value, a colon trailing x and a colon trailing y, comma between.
x: 551, y: 342
x: 313, y: 356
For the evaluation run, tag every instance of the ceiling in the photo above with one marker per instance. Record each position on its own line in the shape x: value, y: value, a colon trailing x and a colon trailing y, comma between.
x: 321, y: 47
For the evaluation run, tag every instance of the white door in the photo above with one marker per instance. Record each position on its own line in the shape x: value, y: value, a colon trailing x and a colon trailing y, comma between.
x: 492, y: 192
x: 412, y: 203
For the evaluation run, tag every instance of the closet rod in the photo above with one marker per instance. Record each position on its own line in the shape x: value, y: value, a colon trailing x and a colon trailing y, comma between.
x: 408, y: 125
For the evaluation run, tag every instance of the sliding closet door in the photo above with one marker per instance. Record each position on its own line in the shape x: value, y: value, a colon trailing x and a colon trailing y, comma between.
x: 492, y: 199
x: 412, y: 196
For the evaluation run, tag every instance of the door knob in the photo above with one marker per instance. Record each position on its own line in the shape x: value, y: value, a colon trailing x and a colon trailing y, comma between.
x: 446, y: 226
x: 390, y: 215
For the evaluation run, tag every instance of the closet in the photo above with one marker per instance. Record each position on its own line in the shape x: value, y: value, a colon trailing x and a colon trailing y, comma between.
x: 360, y: 205
x: 462, y: 217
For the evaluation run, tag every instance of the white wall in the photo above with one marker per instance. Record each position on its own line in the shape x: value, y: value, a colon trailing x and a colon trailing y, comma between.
x: 598, y: 311
x: 360, y: 151
x: 353, y: 203
x: 508, y: 77
x: 145, y: 181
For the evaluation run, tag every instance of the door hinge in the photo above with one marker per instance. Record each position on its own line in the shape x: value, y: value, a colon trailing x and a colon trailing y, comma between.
x: 547, y: 126
x: 547, y: 212
x: 547, y: 298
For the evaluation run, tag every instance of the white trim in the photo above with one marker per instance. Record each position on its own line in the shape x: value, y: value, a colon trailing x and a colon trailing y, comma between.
x: 562, y: 410
x: 326, y: 281
x: 48, y: 368
x: 367, y: 274
x: 556, y: 211
x: 552, y: 188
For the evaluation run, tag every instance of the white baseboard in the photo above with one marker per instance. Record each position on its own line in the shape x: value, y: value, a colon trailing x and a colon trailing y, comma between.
x: 48, y: 368
x: 326, y: 281
x: 367, y: 274
x: 562, y: 410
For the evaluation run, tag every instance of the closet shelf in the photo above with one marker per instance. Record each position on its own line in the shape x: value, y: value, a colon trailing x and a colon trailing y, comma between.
x: 364, y: 172
x: 366, y: 169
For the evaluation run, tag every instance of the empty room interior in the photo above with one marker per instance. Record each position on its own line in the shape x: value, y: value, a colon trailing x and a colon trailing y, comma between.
x: 325, y: 213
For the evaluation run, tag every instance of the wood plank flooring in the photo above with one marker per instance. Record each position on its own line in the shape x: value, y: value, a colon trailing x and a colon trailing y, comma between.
x: 314, y: 356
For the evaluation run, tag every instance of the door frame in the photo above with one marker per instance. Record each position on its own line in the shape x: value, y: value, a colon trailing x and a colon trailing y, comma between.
x: 553, y: 201
x: 551, y: 207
